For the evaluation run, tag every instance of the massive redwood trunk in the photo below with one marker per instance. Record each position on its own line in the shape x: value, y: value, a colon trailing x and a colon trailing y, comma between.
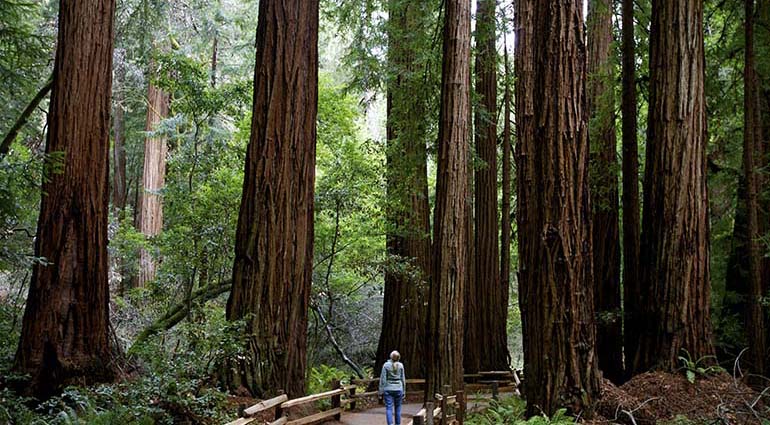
x: 486, y: 303
x: 274, y: 239
x: 406, y: 286
x: 446, y: 305
x: 604, y: 190
x: 631, y: 209
x: 65, y: 331
x: 150, y: 219
x: 554, y: 212
x: 675, y: 234
x: 752, y: 139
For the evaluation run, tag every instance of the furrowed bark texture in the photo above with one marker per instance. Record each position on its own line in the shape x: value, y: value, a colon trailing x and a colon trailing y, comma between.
x: 675, y: 232
x: 119, y: 189
x: 446, y: 305
x: 486, y: 303
x: 274, y: 240
x: 752, y: 137
x: 505, y: 222
x: 65, y: 331
x: 631, y: 208
x: 604, y: 190
x: 406, y: 291
x: 153, y: 180
x: 554, y: 212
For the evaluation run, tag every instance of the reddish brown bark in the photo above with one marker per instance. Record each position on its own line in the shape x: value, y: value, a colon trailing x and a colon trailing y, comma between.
x: 675, y: 233
x: 604, y: 190
x: 153, y: 179
x: 274, y: 239
x: 486, y: 302
x: 752, y: 139
x: 554, y: 212
x: 631, y: 208
x: 446, y: 306
x: 505, y: 222
x: 404, y: 314
x: 65, y: 331
x: 119, y: 189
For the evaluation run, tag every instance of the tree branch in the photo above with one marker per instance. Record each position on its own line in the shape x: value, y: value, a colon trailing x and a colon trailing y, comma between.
x: 5, y: 146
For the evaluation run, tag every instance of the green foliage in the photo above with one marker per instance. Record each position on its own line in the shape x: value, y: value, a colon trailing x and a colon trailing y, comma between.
x: 700, y: 367
x: 320, y: 379
x: 511, y: 410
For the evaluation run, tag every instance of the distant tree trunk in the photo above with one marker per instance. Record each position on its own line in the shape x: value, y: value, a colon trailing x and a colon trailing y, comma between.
x: 631, y: 209
x: 604, y: 190
x: 274, y: 239
x: 65, y: 331
x: 153, y: 180
x: 554, y: 211
x: 446, y: 305
x: 675, y: 233
x: 404, y: 314
x: 752, y: 139
x: 486, y: 302
x: 505, y: 231
x: 119, y: 189
x: 214, y: 53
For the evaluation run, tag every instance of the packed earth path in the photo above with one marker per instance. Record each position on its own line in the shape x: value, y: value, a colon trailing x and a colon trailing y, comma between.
x: 376, y: 415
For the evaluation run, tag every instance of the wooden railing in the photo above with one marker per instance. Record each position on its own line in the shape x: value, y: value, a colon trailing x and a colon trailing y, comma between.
x: 448, y: 409
x: 282, y: 403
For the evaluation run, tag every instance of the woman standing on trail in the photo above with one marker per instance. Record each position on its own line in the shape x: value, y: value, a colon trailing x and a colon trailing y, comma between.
x: 393, y: 387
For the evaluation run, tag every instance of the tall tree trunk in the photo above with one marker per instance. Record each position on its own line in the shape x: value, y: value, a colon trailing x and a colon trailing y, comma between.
x: 675, y: 232
x: 505, y: 231
x: 274, y: 239
x: 752, y: 139
x: 446, y: 305
x: 631, y: 209
x: 554, y: 211
x: 604, y: 190
x: 486, y: 303
x: 153, y: 180
x: 404, y: 315
x: 119, y: 189
x: 65, y: 331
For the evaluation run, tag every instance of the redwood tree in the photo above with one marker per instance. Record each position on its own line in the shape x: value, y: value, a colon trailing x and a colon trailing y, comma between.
x: 486, y: 303
x: 554, y: 212
x: 675, y: 312
x: 274, y: 236
x: 150, y: 219
x: 604, y: 190
x: 505, y: 221
x: 631, y: 208
x: 408, y: 241
x: 752, y: 139
x: 65, y: 332
x: 445, y: 310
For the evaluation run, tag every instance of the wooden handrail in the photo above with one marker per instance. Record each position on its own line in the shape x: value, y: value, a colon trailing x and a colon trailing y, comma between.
x: 313, y: 397
x: 265, y: 404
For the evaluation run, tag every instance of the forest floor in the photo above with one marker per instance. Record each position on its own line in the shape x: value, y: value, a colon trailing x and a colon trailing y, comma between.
x: 653, y: 397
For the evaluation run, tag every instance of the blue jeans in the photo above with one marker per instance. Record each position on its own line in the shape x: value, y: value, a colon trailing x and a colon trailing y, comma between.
x: 393, y: 398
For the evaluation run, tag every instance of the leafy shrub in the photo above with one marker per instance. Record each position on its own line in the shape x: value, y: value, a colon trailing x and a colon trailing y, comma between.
x: 511, y: 411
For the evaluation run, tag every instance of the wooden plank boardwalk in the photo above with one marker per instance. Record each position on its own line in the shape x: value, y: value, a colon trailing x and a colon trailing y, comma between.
x: 376, y: 416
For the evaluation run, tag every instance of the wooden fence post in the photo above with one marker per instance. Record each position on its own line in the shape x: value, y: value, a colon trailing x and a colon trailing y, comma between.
x: 495, y: 389
x: 337, y: 399
x: 278, y: 408
x: 429, y: 413
x: 241, y: 410
x: 352, y: 395
x: 461, y: 407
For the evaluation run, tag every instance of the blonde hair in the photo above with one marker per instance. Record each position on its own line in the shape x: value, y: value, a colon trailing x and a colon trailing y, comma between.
x: 395, y: 356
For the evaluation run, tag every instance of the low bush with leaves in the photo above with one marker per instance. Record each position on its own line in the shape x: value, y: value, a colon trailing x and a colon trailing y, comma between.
x: 511, y: 411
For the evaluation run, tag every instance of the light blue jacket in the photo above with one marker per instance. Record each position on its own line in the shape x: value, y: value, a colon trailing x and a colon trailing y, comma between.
x: 392, y: 377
